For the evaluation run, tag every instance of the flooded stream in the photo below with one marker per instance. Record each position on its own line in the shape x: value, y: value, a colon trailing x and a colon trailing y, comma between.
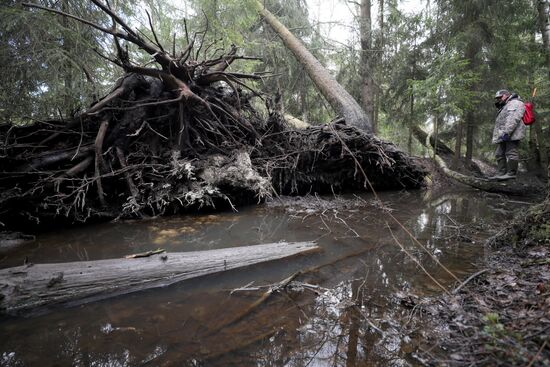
x: 346, y: 308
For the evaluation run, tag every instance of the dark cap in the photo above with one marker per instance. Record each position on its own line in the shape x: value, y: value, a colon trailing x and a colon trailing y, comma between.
x: 502, y: 92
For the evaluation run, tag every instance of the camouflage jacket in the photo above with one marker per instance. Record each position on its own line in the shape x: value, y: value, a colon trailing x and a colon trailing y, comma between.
x: 509, y: 120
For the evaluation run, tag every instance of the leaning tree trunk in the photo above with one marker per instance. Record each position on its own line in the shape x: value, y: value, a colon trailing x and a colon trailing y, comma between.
x: 339, y: 99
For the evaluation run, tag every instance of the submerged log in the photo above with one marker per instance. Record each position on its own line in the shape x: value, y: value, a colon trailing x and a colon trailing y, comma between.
x: 28, y: 287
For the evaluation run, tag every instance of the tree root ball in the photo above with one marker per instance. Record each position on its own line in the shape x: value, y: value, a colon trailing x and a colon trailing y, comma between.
x: 147, y: 151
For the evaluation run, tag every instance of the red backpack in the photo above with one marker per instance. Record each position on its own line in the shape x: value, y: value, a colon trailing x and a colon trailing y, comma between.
x: 529, y: 114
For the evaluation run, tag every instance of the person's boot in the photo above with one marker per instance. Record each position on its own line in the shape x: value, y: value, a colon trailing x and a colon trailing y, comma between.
x: 512, y: 171
x: 501, y: 168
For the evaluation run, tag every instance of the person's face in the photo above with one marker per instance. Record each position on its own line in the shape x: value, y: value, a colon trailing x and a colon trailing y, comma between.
x: 500, y: 101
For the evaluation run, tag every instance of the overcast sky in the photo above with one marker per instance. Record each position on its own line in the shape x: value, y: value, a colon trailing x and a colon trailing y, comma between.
x: 337, y: 15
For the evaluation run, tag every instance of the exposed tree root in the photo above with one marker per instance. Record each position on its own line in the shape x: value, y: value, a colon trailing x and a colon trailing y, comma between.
x: 319, y: 162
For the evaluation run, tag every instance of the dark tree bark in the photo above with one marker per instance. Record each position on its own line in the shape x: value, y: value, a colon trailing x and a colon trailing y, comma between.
x: 367, y: 82
x: 67, y: 70
x: 379, y: 59
x: 411, y: 122
x: 543, y: 8
x: 458, y: 143
x: 470, y: 119
x: 471, y: 53
x: 470, y: 125
x: 381, y: 21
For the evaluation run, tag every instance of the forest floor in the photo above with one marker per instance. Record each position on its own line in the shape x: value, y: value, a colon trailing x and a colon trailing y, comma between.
x: 501, y: 314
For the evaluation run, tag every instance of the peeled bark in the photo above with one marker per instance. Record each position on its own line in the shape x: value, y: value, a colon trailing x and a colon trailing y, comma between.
x: 339, y: 99
x: 27, y: 287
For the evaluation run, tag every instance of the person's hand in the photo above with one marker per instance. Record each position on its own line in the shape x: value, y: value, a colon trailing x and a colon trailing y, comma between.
x: 505, y: 137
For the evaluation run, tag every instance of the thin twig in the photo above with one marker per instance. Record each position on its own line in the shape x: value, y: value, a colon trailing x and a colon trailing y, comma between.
x: 538, y: 353
x: 153, y: 30
x: 416, y: 261
x: 470, y: 278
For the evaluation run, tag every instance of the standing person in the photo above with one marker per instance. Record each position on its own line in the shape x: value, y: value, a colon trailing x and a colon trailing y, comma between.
x: 509, y: 130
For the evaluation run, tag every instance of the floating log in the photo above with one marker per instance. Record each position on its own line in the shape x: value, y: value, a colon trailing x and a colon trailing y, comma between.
x: 28, y: 287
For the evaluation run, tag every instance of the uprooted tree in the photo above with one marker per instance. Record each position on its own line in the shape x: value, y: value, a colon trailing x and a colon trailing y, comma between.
x: 177, y: 135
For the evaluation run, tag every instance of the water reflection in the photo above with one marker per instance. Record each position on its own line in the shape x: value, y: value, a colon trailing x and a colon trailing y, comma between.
x: 353, y: 306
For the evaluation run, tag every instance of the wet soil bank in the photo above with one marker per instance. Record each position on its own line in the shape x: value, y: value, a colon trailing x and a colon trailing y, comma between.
x: 501, y: 314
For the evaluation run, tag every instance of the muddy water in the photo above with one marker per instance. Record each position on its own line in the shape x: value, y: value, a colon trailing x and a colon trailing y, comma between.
x: 351, y: 307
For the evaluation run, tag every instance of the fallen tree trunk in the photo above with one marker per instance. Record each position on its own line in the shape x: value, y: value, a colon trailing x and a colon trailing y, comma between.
x: 446, y: 153
x: 517, y: 186
x: 438, y: 145
x: 529, y: 186
x: 28, y: 287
